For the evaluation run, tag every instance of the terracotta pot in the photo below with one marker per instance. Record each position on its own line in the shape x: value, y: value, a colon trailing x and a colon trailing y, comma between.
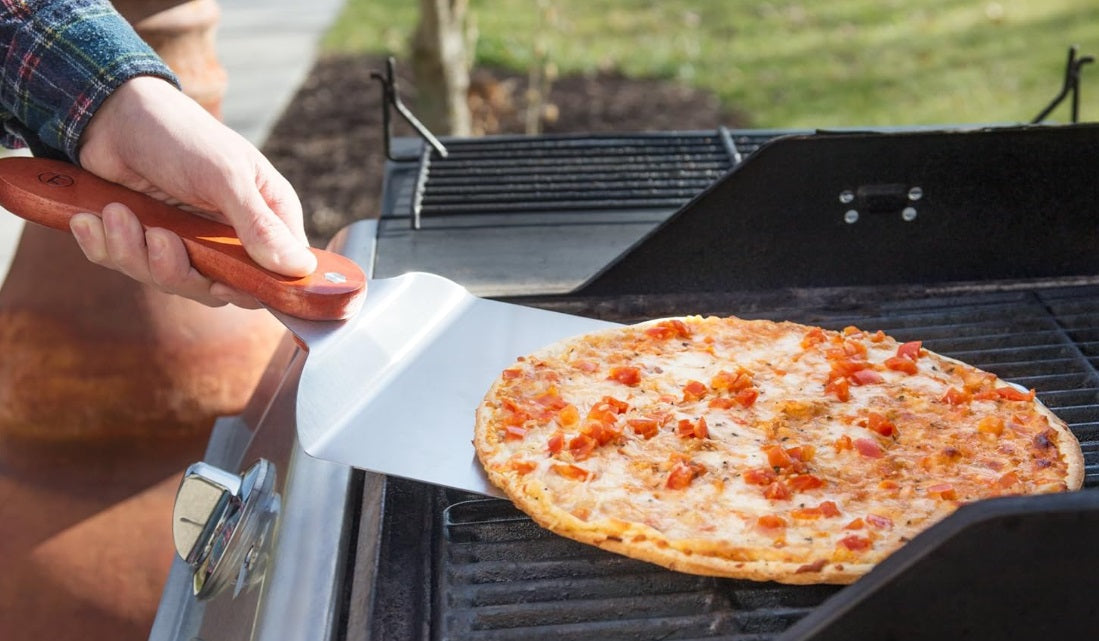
x: 182, y: 33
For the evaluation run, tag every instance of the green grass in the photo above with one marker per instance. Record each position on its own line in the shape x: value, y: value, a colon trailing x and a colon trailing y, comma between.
x: 786, y: 64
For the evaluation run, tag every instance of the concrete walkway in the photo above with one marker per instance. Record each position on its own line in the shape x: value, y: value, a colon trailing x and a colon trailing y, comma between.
x: 267, y: 47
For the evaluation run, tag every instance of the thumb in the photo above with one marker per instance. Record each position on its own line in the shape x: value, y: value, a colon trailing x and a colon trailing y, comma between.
x: 267, y: 238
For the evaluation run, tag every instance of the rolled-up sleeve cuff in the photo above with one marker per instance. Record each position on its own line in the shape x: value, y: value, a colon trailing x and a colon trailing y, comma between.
x: 65, y: 60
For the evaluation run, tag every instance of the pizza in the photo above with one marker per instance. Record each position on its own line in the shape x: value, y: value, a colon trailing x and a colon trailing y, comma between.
x: 759, y: 450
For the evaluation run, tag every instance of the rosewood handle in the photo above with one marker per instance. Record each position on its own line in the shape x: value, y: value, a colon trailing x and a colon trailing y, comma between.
x: 50, y: 192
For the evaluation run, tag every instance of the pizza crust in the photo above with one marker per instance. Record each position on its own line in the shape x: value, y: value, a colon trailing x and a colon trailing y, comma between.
x: 530, y: 490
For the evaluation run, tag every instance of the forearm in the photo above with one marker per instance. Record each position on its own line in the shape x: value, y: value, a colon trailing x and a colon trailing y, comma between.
x: 59, y: 60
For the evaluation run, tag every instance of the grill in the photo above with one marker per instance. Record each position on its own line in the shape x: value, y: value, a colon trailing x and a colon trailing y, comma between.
x: 983, y: 243
x: 474, y: 568
x: 575, y: 173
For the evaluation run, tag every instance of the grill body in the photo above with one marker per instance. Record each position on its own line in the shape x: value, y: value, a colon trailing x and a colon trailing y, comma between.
x: 632, y: 227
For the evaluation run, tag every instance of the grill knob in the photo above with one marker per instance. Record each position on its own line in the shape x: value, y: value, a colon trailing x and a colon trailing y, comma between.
x: 220, y: 523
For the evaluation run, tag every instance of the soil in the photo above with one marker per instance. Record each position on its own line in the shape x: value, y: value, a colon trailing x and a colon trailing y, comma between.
x: 328, y: 141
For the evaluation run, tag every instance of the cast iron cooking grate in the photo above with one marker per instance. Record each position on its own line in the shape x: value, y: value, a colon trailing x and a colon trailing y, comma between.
x: 516, y: 174
x: 500, y: 576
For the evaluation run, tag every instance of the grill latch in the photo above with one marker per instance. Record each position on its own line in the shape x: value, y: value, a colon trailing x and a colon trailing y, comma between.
x: 221, y: 522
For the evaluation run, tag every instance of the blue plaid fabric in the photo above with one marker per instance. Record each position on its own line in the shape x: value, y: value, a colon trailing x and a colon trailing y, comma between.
x: 59, y: 60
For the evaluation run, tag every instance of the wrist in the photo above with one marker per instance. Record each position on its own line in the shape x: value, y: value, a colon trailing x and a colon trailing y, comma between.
x: 114, y: 123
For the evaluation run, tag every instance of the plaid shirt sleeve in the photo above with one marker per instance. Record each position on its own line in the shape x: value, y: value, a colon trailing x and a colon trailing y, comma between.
x: 59, y: 60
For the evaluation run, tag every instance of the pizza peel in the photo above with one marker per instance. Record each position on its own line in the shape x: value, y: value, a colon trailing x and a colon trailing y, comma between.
x: 391, y: 380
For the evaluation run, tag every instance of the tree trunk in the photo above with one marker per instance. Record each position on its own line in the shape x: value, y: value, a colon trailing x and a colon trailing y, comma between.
x: 441, y: 62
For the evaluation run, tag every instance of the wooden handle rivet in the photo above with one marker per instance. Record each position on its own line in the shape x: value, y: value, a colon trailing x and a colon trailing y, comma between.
x: 335, y: 277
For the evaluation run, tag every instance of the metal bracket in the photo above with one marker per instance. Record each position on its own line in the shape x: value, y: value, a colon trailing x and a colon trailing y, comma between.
x: 391, y: 99
x: 1071, y: 85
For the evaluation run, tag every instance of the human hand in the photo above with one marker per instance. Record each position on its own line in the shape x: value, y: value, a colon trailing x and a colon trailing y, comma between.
x: 151, y: 138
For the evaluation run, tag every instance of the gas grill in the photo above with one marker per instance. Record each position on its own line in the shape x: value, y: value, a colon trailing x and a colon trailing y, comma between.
x: 983, y: 243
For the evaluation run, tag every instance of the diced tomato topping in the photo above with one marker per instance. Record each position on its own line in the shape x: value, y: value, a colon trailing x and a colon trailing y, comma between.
x: 644, y: 427
x: 1008, y: 480
x: 803, y: 453
x: 601, y: 432
x: 771, y: 522
x: 551, y: 399
x: 760, y: 476
x: 910, y: 350
x: 854, y: 349
x: 732, y: 382
x: 619, y: 407
x: 514, y: 433
x: 669, y: 329
x: 902, y: 364
x: 522, y: 467
x: 878, y: 424
x: 513, y: 414
x: 843, y: 443
x: 555, y: 443
x: 581, y: 446
x: 877, y: 336
x: 813, y: 337
x: 955, y: 396
x: 865, y: 377
x: 855, y: 543
x: 586, y: 366
x: 777, y: 457
x: 844, y: 368
x: 603, y: 415
x: 568, y: 416
x: 1013, y: 394
x: 722, y: 402
x: 626, y: 375
x: 803, y: 482
x: 829, y: 509
x: 777, y: 491
x: 747, y: 397
x: 993, y: 425
x: 693, y: 391
x: 681, y: 474
x: 840, y: 388
x: 693, y: 429
x: 825, y: 509
x: 855, y: 524
x: 880, y: 522
x: 572, y: 472
x: 944, y: 491
x: 868, y: 448
x: 511, y: 374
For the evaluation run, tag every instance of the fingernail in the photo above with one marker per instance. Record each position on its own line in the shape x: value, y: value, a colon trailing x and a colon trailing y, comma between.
x: 81, y: 229
x: 300, y: 260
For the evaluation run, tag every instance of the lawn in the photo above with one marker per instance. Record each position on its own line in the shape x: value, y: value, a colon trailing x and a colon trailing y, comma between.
x: 786, y: 64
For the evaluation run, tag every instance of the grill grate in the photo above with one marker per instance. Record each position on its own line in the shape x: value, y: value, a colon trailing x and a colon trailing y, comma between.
x: 498, y: 576
x: 508, y: 174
